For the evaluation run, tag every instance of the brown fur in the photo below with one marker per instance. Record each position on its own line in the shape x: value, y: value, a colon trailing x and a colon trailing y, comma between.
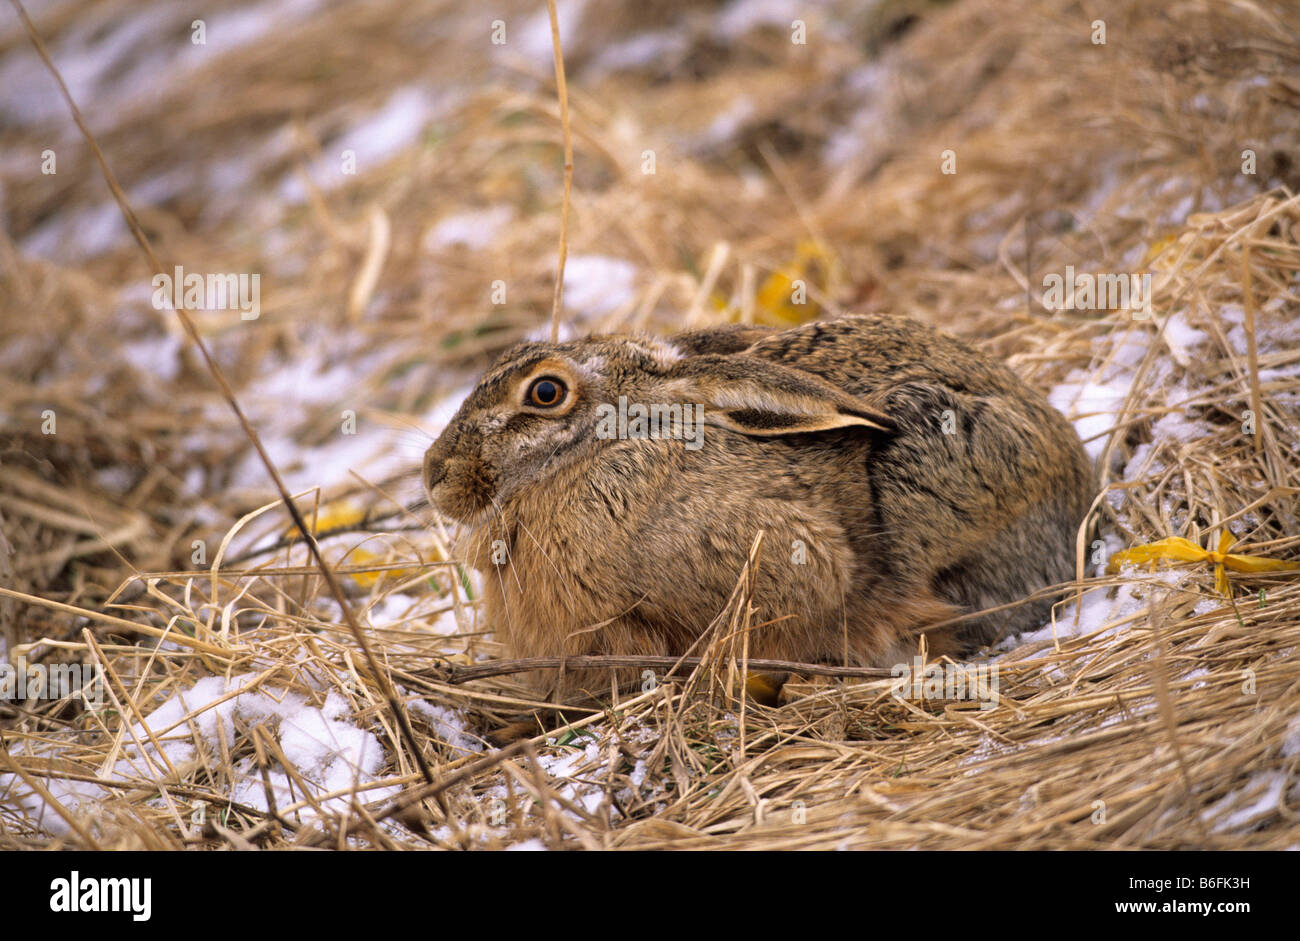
x: 828, y: 436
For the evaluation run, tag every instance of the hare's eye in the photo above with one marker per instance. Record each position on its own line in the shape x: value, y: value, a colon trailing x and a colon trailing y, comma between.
x: 546, y: 392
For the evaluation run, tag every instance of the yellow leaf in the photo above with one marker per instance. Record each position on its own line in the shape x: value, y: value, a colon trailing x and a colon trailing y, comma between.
x: 341, y: 514
x: 331, y: 516
x: 774, y: 299
x: 1184, y: 550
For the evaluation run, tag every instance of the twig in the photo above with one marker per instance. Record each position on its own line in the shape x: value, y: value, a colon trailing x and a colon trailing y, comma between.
x: 561, y: 89
x: 463, y: 674
x: 1252, y: 349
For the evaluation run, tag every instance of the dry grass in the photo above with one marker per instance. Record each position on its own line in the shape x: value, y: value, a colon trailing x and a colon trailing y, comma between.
x: 1170, y: 720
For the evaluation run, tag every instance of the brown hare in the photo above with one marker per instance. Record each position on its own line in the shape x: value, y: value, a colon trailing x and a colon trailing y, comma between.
x: 900, y: 478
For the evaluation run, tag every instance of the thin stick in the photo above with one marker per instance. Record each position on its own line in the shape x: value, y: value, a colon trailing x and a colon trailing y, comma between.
x: 561, y: 89
x: 1252, y: 348
x: 463, y: 674
x: 219, y: 377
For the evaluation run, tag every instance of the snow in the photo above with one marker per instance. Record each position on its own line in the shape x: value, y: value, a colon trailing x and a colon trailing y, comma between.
x: 1249, y: 805
x: 447, y: 724
x: 870, y: 129
x: 1094, y: 406
x: 1177, y: 427
x: 744, y: 16
x: 1207, y: 605
x: 533, y: 845
x: 371, y: 452
x: 1179, y: 212
x: 116, y: 479
x: 1182, y: 338
x: 1141, y: 464
x: 445, y: 623
x: 595, y: 285
x: 726, y: 124
x: 383, y: 133
x: 438, y: 417
x: 89, y: 52
x: 234, y: 175
x: 475, y: 229
x: 391, y: 609
x: 542, y: 333
x: 533, y: 38
x: 157, y: 355
x: 111, y: 62
x: 231, y: 29
x: 588, y: 796
x: 283, y: 396
x: 326, y: 750
x: 1095, y: 401
x: 308, y: 378
x: 389, y: 129
x: 1290, y: 745
x: 1100, y: 612
x: 77, y: 236
x: 642, y: 51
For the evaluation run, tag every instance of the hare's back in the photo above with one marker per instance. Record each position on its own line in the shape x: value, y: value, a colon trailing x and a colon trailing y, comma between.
x: 864, y: 355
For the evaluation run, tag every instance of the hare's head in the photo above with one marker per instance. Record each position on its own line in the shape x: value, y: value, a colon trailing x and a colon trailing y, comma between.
x: 544, y: 407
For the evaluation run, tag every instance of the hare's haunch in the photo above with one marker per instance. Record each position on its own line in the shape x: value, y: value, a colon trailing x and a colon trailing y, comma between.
x: 611, y: 489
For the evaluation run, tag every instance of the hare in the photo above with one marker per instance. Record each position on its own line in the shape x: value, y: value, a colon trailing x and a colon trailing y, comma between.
x: 900, y: 479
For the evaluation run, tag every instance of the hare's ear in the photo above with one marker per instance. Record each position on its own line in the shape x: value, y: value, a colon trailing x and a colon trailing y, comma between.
x: 759, y: 397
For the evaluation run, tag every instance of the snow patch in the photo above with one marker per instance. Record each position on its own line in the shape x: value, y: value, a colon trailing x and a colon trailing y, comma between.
x: 474, y: 229
x: 328, y: 752
x: 595, y: 285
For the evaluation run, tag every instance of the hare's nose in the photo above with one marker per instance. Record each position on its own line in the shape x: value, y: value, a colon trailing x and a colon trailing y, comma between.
x: 435, y: 469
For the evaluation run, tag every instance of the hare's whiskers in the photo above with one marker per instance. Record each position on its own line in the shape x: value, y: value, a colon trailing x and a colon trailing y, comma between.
x: 505, y: 598
x: 573, y: 605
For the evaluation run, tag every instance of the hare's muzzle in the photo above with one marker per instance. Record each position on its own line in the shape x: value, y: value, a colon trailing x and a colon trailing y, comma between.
x: 435, y: 469
x: 457, y: 481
